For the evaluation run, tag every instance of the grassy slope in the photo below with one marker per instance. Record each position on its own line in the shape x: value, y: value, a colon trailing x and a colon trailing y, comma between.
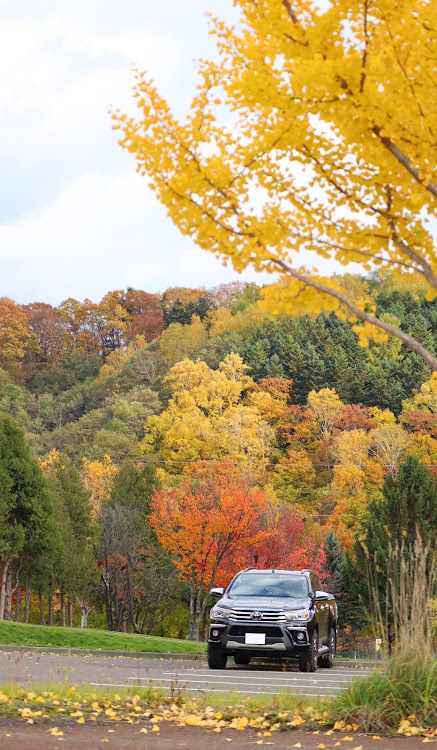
x: 18, y: 634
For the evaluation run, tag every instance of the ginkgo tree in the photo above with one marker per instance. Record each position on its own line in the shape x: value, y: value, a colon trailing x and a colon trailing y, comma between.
x: 314, y: 131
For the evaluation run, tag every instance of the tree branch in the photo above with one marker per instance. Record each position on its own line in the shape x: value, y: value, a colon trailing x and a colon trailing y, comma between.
x: 411, y: 342
x: 405, y: 161
x: 289, y: 10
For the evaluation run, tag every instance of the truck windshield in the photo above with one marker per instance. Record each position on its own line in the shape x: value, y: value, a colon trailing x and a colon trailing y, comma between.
x: 270, y: 584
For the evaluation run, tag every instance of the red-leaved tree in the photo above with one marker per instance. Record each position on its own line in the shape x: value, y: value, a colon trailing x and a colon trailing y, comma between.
x: 279, y: 541
x: 203, y: 523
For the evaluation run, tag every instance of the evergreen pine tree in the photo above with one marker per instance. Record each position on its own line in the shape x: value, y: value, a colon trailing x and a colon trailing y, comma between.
x: 407, y: 511
x: 25, y: 504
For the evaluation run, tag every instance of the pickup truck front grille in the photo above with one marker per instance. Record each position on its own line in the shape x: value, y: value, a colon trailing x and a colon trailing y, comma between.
x: 270, y: 631
x: 258, y: 615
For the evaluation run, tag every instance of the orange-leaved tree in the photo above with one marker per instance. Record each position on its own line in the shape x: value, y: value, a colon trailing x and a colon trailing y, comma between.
x: 202, y: 523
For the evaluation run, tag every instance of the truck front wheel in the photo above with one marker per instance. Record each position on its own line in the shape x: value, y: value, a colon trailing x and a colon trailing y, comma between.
x: 216, y: 660
x: 308, y: 656
x: 241, y: 658
x: 327, y: 660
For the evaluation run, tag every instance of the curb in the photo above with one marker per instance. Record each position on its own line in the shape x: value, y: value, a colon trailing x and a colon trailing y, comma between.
x: 101, y: 652
x: 352, y: 663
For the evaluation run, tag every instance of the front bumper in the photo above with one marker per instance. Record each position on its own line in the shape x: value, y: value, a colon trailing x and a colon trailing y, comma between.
x: 280, y: 638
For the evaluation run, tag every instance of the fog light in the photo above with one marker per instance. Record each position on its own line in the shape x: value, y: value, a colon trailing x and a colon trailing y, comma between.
x: 301, y: 636
x: 215, y: 633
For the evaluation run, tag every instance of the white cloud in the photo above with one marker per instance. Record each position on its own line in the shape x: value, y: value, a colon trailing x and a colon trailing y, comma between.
x: 75, y: 219
x: 104, y: 231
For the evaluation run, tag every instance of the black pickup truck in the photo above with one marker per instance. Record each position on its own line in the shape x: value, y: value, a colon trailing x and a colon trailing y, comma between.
x: 273, y: 613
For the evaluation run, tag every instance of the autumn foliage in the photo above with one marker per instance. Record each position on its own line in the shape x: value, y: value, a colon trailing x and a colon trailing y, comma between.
x: 203, y: 522
x: 318, y: 122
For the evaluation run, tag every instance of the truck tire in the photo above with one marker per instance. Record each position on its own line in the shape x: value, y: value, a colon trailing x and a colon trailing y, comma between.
x: 327, y: 660
x: 308, y: 656
x: 216, y: 660
x: 241, y: 658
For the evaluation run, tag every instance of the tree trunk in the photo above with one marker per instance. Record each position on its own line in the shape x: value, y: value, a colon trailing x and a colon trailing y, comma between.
x: 83, y: 616
x: 18, y: 601
x: 27, y: 597
x: 8, y: 597
x: 70, y: 613
x: 6, y: 563
x: 131, y: 601
x: 195, y: 615
x: 192, y: 610
x: 85, y: 609
x: 62, y: 609
x: 50, y: 599
x: 42, y: 620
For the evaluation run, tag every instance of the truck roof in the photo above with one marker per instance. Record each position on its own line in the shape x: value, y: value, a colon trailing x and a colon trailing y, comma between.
x: 275, y: 570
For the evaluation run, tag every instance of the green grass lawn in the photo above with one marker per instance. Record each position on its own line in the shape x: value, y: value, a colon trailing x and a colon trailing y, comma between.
x: 18, y: 634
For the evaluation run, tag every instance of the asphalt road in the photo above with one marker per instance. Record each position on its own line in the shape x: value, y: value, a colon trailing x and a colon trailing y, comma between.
x: 195, y: 677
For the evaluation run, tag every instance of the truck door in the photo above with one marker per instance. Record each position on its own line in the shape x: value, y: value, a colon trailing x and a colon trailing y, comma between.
x: 322, y: 609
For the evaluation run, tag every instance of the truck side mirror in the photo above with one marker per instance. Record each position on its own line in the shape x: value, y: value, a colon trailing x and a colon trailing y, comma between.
x: 217, y: 592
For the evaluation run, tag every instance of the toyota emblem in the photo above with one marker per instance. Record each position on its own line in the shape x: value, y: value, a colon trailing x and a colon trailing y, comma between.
x: 256, y: 616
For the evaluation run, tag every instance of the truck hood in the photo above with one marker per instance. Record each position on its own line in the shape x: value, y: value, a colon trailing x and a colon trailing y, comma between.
x: 264, y: 602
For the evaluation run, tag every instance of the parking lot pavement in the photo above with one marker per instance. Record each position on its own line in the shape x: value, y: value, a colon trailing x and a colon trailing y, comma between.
x: 195, y: 677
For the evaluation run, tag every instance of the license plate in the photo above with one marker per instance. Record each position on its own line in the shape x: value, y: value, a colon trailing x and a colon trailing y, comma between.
x: 256, y: 639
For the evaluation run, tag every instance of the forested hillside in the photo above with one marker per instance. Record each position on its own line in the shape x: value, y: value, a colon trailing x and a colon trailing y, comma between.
x: 147, y: 414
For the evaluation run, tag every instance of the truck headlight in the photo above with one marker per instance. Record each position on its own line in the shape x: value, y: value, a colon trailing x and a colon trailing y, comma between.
x: 219, y: 612
x: 301, y: 615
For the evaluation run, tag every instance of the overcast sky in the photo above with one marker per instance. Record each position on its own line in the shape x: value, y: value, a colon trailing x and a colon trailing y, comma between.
x: 75, y: 219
